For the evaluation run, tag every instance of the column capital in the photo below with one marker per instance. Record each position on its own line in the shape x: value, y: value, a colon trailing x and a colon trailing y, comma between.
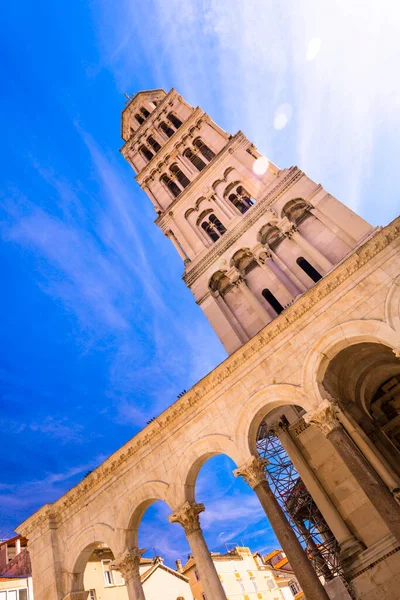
x: 187, y: 515
x: 325, y: 417
x: 128, y: 563
x: 253, y: 472
x: 279, y: 427
x: 287, y: 227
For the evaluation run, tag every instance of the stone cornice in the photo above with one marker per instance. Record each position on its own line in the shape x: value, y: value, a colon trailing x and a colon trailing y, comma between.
x: 172, y: 142
x: 194, y: 397
x: 195, y: 185
x: 230, y: 237
x: 149, y: 122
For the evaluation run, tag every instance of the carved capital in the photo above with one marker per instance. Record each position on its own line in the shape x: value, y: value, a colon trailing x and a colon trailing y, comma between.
x: 263, y: 257
x: 287, y: 227
x: 128, y: 563
x: 325, y: 417
x: 279, y: 427
x: 253, y: 472
x: 188, y: 516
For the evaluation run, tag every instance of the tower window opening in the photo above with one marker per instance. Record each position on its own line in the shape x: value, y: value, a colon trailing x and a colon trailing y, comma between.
x: 272, y: 301
x: 139, y: 119
x: 241, y: 199
x: 220, y: 228
x: 194, y: 159
x: 145, y: 112
x: 204, y: 149
x: 171, y: 185
x: 213, y: 227
x: 210, y: 231
x: 166, y: 129
x: 153, y: 143
x: 309, y: 269
x: 174, y: 120
x: 180, y: 175
x: 146, y: 152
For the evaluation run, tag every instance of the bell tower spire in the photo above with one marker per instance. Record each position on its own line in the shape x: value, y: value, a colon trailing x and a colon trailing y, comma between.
x: 252, y: 237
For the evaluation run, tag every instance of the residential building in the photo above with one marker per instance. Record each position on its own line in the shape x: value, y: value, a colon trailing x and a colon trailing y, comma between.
x: 15, y: 570
x: 244, y: 576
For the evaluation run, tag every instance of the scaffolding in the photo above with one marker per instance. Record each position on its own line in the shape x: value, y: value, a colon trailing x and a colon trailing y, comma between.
x: 299, y: 507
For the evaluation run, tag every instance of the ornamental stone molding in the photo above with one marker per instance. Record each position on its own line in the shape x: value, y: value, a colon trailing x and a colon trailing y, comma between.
x: 325, y: 417
x: 253, y: 472
x: 128, y: 564
x: 188, y: 516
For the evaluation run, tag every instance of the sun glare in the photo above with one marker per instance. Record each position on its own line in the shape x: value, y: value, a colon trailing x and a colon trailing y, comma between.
x: 313, y: 48
x: 261, y: 165
x: 283, y: 114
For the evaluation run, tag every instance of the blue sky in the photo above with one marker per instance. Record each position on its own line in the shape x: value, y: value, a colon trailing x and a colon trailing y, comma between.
x: 99, y: 333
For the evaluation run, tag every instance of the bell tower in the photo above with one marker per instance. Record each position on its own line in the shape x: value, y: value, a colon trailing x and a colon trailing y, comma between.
x: 252, y: 237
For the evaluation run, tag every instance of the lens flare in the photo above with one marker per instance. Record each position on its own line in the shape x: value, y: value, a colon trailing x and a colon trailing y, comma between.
x: 283, y: 114
x: 313, y: 48
x: 260, y: 165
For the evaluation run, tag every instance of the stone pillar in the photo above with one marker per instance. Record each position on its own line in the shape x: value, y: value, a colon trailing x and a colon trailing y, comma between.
x: 291, y: 231
x: 348, y: 544
x: 178, y: 247
x: 287, y: 272
x: 265, y: 259
x: 251, y: 299
x: 17, y: 546
x: 326, y: 419
x: 230, y: 317
x: 203, y: 237
x: 222, y: 205
x: 373, y: 456
x: 128, y: 566
x: 152, y: 197
x: 253, y: 473
x: 188, y: 516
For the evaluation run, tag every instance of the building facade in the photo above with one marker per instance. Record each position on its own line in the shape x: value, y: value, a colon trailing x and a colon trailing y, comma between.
x: 244, y: 576
x: 104, y: 582
x: 15, y: 570
x: 305, y: 297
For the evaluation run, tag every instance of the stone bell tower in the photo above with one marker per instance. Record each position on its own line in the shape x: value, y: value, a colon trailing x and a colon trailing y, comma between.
x: 252, y: 237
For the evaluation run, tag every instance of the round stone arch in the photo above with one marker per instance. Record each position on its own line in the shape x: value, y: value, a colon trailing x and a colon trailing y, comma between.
x: 131, y: 512
x: 79, y: 551
x: 332, y: 342
x: 258, y: 406
x: 194, y: 458
x: 392, y: 305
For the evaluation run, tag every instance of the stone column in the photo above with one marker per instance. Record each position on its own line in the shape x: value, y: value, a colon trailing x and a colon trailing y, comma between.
x: 178, y: 247
x: 326, y: 419
x: 128, y: 566
x: 265, y: 259
x: 203, y: 237
x: 348, y: 544
x: 230, y: 317
x: 152, y: 197
x: 188, y: 516
x: 285, y: 269
x: 373, y: 456
x: 223, y: 206
x: 291, y: 231
x: 253, y: 473
x: 251, y: 299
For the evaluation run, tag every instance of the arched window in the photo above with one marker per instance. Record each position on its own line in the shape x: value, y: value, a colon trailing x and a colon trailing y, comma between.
x: 210, y: 231
x: 236, y: 201
x: 180, y: 175
x: 174, y: 120
x: 194, y: 159
x: 166, y: 129
x: 139, y: 119
x: 220, y: 228
x: 245, y: 196
x: 171, y: 185
x: 146, y: 152
x: 205, y: 150
x: 274, y: 302
x: 309, y: 269
x: 145, y: 112
x: 153, y: 143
